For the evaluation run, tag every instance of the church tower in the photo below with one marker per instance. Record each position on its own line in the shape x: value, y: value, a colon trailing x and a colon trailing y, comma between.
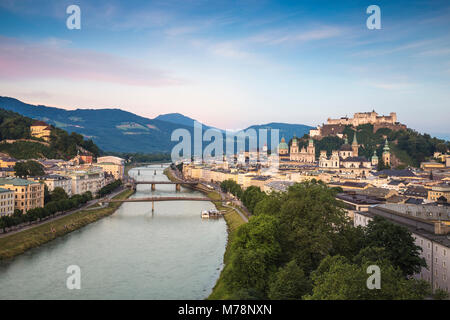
x: 294, y: 145
x: 311, y: 149
x: 355, y: 146
x: 386, y: 154
x: 374, y: 158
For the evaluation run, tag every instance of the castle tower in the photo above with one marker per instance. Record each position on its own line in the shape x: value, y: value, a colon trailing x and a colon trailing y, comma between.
x: 374, y: 158
x: 393, y: 116
x: 355, y: 146
x: 386, y: 154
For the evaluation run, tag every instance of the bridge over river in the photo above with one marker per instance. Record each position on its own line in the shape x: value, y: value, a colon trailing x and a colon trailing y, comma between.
x: 152, y: 199
x: 154, y: 183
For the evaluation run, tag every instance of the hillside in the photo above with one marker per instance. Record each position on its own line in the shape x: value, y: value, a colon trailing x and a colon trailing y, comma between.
x: 178, y: 118
x: 408, y: 147
x: 16, y: 127
x: 111, y: 129
x: 121, y: 131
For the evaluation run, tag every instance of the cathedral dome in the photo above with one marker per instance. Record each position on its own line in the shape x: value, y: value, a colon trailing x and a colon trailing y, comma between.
x: 283, y: 145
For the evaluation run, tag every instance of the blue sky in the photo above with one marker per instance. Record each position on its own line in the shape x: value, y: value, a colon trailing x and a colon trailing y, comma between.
x: 231, y: 64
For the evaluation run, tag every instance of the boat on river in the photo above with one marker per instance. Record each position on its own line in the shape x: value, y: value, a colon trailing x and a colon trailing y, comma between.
x: 213, y: 213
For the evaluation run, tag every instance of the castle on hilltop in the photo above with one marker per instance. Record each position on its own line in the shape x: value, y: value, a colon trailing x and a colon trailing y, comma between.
x: 360, y: 118
x: 335, y: 127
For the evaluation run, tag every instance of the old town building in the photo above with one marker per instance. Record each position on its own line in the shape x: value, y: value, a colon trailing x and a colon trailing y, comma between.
x: 27, y: 194
x: 40, y: 129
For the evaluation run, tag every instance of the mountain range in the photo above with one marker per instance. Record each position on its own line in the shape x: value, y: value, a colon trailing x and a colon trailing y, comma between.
x: 122, y: 131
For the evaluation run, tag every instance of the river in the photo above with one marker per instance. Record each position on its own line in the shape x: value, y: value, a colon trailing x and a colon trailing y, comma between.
x: 133, y: 254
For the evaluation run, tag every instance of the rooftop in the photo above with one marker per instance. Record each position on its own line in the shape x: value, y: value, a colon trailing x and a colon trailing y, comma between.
x: 2, y: 190
x: 16, y: 181
x: 395, y: 173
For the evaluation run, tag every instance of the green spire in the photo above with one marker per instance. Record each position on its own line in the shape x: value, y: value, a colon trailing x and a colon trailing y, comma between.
x: 354, y: 139
x: 294, y: 138
x: 374, y: 154
x: 386, y: 146
x: 346, y: 140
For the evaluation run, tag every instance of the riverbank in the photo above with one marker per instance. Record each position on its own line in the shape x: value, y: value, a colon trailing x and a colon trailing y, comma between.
x: 233, y: 220
x: 18, y: 243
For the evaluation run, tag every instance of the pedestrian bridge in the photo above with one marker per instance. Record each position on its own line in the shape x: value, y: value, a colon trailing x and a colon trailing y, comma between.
x: 154, y: 183
x: 153, y: 199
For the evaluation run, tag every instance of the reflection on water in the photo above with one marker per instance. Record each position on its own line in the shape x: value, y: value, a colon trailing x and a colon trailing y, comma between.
x: 133, y: 254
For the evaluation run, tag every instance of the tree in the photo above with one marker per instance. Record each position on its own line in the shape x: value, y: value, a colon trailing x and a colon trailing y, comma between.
x: 58, y: 194
x: 289, y: 283
x: 29, y: 168
x: 47, y: 195
x: 440, y: 294
x: 338, y: 279
x: 312, y: 224
x: 251, y: 196
x: 255, y: 253
x: 398, y: 242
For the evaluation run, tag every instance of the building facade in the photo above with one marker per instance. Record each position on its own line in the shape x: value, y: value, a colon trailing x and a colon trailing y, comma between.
x: 40, y: 129
x: 91, y: 179
x: 6, y: 202
x: 430, y: 228
x: 56, y: 181
x: 111, y: 165
x: 27, y: 194
x: 307, y: 155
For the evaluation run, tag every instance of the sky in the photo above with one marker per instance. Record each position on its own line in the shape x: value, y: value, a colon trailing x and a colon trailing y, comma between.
x: 231, y: 64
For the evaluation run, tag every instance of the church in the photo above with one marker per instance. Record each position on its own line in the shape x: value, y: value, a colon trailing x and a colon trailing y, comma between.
x: 346, y: 160
x: 294, y: 153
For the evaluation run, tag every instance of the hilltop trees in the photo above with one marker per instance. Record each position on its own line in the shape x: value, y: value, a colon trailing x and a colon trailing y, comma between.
x: 409, y: 146
x: 14, y: 126
x: 62, y: 144
x: 300, y: 245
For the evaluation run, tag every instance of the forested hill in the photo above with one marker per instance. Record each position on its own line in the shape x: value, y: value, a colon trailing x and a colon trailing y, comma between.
x: 409, y: 147
x: 14, y: 126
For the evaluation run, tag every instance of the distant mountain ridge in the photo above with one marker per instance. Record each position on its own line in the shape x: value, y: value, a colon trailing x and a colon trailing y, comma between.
x: 122, y: 131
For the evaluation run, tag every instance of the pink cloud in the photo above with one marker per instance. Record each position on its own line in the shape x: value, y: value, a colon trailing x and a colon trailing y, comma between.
x: 50, y: 59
